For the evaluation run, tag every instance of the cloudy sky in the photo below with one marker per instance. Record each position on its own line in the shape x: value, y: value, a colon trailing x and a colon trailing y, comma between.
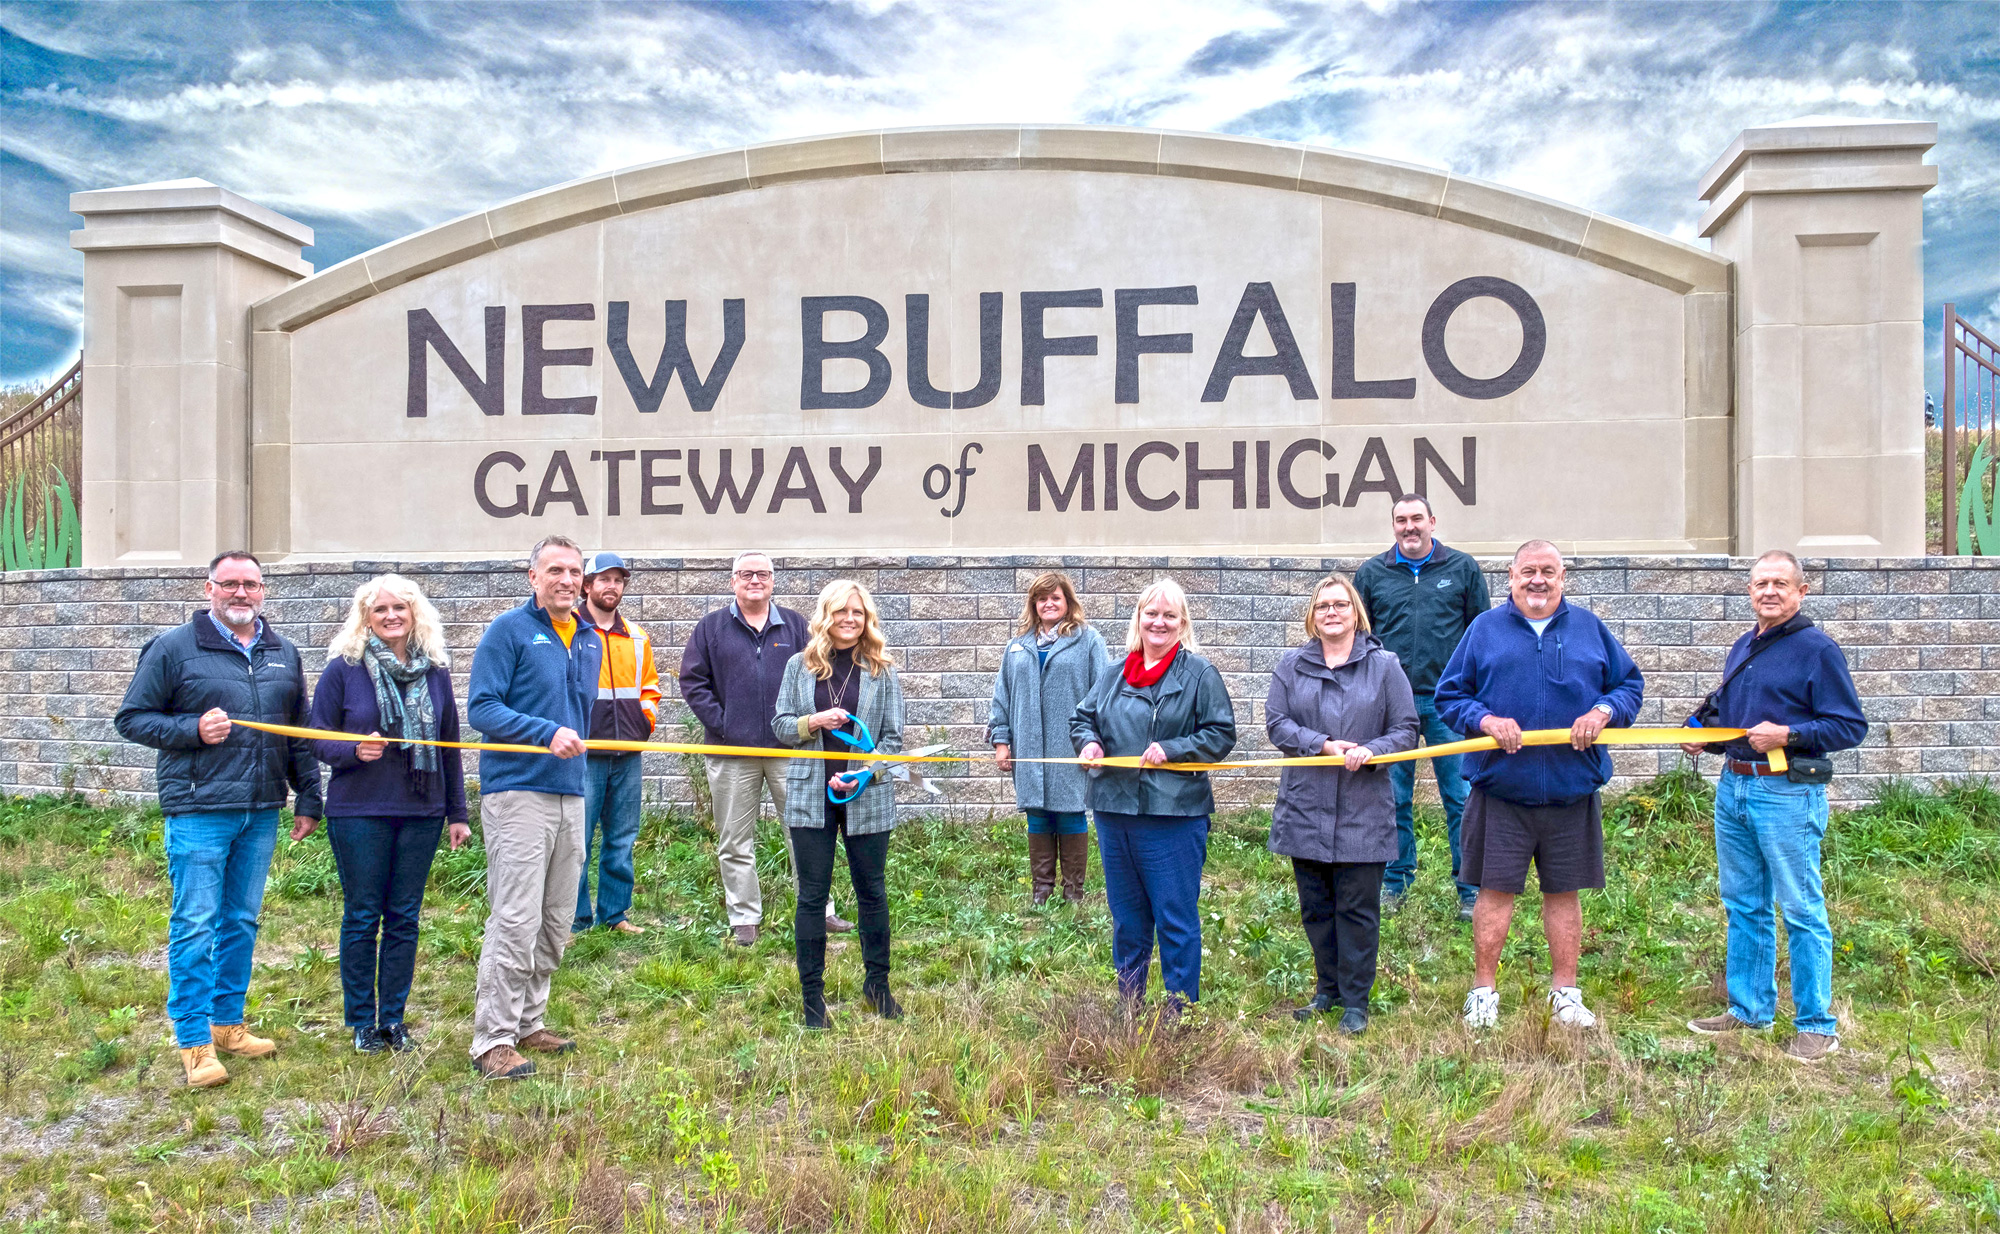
x: 369, y: 121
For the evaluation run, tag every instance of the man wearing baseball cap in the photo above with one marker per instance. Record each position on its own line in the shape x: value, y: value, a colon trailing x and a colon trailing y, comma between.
x: 627, y: 707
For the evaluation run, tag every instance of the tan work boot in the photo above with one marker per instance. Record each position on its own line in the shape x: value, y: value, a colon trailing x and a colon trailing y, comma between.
x: 503, y: 1062
x: 542, y: 1041
x: 202, y: 1067
x: 236, y: 1039
x: 1812, y: 1047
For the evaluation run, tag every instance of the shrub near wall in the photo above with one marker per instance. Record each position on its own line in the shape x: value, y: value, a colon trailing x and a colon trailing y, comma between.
x: 1922, y: 635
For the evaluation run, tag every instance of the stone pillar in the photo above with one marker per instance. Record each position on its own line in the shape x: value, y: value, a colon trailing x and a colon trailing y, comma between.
x: 1824, y: 220
x: 169, y: 273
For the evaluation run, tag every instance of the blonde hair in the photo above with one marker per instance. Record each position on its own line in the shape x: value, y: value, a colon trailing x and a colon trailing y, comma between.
x: 1346, y: 584
x: 1055, y: 580
x: 871, y: 651
x: 1170, y: 591
x: 426, y: 630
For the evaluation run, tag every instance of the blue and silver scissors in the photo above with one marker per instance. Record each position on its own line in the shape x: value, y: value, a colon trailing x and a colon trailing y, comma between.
x: 864, y: 744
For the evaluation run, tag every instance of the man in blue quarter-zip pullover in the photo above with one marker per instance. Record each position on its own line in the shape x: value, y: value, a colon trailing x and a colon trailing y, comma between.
x: 1787, y: 683
x: 1535, y: 662
x: 534, y: 679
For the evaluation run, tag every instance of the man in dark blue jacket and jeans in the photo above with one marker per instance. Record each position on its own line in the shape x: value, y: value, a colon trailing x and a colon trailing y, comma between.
x: 534, y: 680
x: 221, y: 788
x: 1535, y: 662
x: 1786, y: 683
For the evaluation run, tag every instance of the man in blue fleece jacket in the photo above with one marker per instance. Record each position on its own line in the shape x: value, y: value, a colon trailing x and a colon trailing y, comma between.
x: 534, y: 679
x: 1535, y: 662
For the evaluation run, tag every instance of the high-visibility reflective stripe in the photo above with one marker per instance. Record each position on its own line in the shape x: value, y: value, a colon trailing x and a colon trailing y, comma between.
x: 618, y: 691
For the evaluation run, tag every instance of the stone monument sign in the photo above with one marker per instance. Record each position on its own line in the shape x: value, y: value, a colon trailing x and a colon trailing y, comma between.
x: 985, y: 340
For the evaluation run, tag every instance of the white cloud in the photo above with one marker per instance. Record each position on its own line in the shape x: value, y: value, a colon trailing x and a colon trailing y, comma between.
x: 387, y: 124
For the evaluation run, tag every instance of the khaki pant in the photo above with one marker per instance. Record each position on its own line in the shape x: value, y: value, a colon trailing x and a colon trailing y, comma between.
x: 534, y: 855
x: 736, y: 787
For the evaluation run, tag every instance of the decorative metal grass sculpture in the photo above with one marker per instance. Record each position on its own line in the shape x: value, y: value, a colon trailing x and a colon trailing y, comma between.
x: 56, y: 541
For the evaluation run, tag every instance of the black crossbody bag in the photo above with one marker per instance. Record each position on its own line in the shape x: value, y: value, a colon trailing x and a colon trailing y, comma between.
x: 1709, y: 714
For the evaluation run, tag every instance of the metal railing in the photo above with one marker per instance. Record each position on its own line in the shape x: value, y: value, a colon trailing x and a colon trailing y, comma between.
x: 1970, y: 423
x: 41, y: 459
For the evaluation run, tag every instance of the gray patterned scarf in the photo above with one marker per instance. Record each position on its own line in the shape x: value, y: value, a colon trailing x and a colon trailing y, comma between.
x: 403, y: 696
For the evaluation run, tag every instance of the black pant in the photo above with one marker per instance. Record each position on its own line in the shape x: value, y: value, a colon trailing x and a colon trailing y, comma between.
x: 867, y: 864
x: 383, y: 863
x: 1341, y: 906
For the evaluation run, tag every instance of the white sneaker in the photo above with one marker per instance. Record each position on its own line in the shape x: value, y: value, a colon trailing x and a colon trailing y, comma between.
x: 1566, y: 1005
x: 1482, y: 1007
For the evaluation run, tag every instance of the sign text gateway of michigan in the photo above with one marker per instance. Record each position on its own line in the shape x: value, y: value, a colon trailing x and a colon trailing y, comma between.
x: 985, y: 340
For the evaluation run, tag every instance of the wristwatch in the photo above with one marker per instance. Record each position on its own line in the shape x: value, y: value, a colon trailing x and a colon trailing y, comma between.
x: 1603, y: 707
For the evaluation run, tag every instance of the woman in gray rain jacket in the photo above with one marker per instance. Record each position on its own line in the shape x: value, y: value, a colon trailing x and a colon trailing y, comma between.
x: 1341, y: 694
x: 1045, y: 672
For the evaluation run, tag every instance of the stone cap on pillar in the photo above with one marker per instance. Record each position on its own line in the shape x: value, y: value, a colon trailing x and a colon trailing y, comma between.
x: 1818, y: 154
x: 188, y: 214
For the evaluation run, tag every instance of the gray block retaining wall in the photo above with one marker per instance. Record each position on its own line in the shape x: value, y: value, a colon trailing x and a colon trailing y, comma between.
x: 1922, y: 635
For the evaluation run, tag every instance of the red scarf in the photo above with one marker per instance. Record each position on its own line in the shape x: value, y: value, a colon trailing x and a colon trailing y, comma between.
x: 1139, y: 676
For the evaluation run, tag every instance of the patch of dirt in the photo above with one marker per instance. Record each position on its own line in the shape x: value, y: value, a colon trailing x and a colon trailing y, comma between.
x: 98, y: 1123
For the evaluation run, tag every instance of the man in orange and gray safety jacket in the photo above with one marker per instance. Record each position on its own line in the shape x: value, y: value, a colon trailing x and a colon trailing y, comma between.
x: 627, y: 707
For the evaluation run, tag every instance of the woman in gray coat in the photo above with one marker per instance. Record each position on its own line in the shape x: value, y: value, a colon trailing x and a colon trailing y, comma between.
x: 844, y: 675
x: 1340, y: 695
x: 1045, y: 672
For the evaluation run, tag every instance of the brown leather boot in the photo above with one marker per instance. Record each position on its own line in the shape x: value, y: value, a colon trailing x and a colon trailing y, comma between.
x: 1075, y: 853
x: 542, y: 1041
x: 236, y: 1039
x: 203, y: 1070
x: 1042, y: 865
x: 503, y: 1062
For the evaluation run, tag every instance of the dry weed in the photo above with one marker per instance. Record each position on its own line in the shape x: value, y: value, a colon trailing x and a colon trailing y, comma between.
x: 1102, y: 1041
x: 1971, y: 925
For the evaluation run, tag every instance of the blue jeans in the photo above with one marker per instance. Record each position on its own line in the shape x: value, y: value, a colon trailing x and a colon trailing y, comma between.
x: 217, y: 862
x: 1767, y: 836
x: 1055, y: 823
x: 1402, y: 871
x: 610, y: 816
x: 1152, y: 877
x: 383, y: 864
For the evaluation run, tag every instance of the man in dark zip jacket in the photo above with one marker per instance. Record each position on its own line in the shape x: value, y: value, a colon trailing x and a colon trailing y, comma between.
x: 221, y: 788
x: 730, y: 672
x: 1536, y: 662
x: 1786, y: 683
x: 1421, y: 597
x: 534, y: 680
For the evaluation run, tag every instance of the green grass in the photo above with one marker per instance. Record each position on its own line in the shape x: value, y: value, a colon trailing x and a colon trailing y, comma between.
x: 1016, y: 1096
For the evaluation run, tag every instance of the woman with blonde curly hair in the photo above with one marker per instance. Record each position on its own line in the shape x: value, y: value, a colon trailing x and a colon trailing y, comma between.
x: 388, y: 676
x: 837, y: 695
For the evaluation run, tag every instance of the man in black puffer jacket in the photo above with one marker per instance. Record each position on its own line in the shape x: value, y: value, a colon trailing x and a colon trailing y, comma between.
x: 221, y: 788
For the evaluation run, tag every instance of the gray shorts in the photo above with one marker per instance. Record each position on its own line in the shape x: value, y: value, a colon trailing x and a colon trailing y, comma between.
x: 1497, y: 840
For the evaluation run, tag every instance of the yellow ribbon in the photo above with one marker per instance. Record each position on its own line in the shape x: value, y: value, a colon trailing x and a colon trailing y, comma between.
x: 1532, y: 737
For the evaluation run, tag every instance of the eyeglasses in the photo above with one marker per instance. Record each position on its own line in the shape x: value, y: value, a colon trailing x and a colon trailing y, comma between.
x: 1334, y: 606
x: 245, y: 588
x: 754, y: 576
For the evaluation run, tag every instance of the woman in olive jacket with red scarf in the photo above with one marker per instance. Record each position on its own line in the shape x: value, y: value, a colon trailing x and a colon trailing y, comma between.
x: 1167, y: 705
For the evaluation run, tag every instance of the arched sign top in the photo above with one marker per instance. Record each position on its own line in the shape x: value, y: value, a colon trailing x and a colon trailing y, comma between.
x: 1284, y: 166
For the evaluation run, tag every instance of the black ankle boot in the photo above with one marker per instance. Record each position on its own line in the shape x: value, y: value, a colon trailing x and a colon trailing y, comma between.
x: 875, y: 992
x: 811, y: 953
x: 368, y: 1039
x: 396, y: 1037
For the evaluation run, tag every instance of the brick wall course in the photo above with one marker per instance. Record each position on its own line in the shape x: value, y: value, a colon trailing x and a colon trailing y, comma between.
x: 1922, y: 634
